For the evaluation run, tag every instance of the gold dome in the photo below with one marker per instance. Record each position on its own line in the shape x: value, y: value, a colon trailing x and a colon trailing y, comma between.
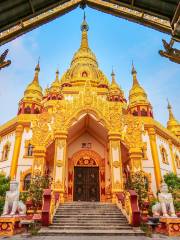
x: 84, y: 64
x: 34, y: 90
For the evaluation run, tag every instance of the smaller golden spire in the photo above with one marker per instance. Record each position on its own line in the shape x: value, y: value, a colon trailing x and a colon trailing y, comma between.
x: 113, y: 75
x: 173, y: 125
x: 57, y: 75
x: 84, y: 29
x: 171, y: 115
x: 134, y: 74
x: 36, y: 75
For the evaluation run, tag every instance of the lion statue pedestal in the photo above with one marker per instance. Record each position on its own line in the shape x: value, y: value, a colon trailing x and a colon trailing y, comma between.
x: 14, y: 211
x: 165, y: 206
x: 164, y: 209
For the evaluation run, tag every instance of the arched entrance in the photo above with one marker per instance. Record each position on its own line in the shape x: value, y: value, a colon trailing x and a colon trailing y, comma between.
x: 86, y: 177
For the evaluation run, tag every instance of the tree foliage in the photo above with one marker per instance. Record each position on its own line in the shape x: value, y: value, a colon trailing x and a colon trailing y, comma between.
x: 35, y: 191
x: 139, y: 183
x: 4, y: 187
x: 173, y: 182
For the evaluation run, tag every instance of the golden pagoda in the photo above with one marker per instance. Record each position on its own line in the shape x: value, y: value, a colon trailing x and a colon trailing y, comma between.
x: 83, y: 126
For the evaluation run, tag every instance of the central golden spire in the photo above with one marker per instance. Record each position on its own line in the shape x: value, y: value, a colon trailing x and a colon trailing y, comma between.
x: 84, y: 29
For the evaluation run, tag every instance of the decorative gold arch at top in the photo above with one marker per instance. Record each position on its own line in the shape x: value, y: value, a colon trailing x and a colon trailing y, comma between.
x: 109, y: 114
x: 87, y: 155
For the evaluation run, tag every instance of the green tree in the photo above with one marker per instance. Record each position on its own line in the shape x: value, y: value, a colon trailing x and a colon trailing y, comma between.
x: 4, y: 187
x: 173, y: 182
x: 35, y: 191
x: 139, y: 183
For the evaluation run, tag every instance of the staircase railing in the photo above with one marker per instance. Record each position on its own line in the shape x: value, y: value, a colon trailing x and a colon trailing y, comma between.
x: 50, y: 205
x: 127, y: 201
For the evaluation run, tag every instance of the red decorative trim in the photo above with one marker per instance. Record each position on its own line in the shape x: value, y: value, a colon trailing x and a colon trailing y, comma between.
x: 46, y: 207
x: 136, y: 218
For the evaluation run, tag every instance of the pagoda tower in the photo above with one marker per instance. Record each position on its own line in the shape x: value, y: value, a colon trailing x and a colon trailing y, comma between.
x: 31, y: 102
x: 173, y: 125
x: 139, y: 104
x: 115, y: 92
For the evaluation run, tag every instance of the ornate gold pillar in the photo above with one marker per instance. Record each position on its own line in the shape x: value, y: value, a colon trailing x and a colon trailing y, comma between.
x: 135, y: 154
x: 172, y: 157
x: 17, y: 146
x: 60, y: 163
x: 116, y: 164
x: 39, y: 154
x: 154, y: 151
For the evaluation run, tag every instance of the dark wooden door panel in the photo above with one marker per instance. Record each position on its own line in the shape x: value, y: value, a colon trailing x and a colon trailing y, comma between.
x: 86, y: 184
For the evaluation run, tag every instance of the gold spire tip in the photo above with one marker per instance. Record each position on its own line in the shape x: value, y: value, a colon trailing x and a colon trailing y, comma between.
x: 133, y: 69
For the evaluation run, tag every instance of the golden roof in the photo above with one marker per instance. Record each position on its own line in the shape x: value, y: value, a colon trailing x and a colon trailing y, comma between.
x: 84, y: 64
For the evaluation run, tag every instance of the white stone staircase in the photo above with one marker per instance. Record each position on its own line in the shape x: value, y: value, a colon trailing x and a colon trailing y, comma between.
x: 89, y: 218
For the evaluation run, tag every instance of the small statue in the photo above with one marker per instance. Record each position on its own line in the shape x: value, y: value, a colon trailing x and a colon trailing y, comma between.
x: 165, y: 206
x: 12, y: 204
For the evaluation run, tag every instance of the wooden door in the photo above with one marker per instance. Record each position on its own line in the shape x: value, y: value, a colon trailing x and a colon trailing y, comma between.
x: 86, y: 184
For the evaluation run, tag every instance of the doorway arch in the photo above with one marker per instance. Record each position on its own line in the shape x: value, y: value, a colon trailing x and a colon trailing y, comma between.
x: 87, y: 160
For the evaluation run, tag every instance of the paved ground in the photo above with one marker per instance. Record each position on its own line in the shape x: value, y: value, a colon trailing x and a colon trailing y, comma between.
x: 22, y: 237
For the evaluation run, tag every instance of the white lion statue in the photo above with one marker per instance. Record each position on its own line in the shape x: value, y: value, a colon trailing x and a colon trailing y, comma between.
x: 12, y: 204
x: 165, y: 206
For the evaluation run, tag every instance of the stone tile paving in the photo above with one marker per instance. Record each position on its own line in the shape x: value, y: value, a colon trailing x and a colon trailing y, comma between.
x: 26, y: 237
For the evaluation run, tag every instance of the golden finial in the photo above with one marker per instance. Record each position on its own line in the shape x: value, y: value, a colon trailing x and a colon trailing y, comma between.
x: 171, y: 116
x: 134, y: 74
x: 84, y: 29
x: 57, y: 75
x: 37, y: 68
x: 113, y: 76
x: 84, y: 25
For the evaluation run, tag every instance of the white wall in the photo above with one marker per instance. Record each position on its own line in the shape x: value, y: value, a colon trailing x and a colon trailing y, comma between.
x: 165, y: 168
x: 176, y: 151
x: 6, y: 165
x: 148, y: 164
x: 24, y: 163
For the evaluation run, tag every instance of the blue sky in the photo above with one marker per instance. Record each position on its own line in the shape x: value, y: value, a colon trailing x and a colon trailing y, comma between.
x: 116, y: 42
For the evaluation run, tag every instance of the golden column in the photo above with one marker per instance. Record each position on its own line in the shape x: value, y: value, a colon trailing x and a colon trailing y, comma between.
x: 60, y: 164
x: 17, y: 146
x: 116, y: 164
x: 39, y: 154
x: 135, y: 155
x: 154, y: 151
x: 172, y: 157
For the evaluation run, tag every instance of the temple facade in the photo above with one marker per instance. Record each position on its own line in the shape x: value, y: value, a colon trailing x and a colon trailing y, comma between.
x: 83, y: 133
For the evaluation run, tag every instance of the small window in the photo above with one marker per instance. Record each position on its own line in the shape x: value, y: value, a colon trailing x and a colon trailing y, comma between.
x: 135, y: 113
x: 164, y: 155
x: 5, y: 152
x: 84, y: 74
x: 30, y: 150
x: 36, y: 111
x: 27, y: 181
x: 27, y: 110
x: 143, y: 112
x: 177, y: 160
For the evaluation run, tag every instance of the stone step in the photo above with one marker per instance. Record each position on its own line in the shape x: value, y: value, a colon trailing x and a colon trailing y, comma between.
x: 106, y: 225
x: 89, y: 227
x: 58, y: 232
x: 97, y: 221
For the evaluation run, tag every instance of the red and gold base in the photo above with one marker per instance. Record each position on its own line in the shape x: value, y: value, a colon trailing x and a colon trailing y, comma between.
x: 169, y: 226
x: 11, y: 225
